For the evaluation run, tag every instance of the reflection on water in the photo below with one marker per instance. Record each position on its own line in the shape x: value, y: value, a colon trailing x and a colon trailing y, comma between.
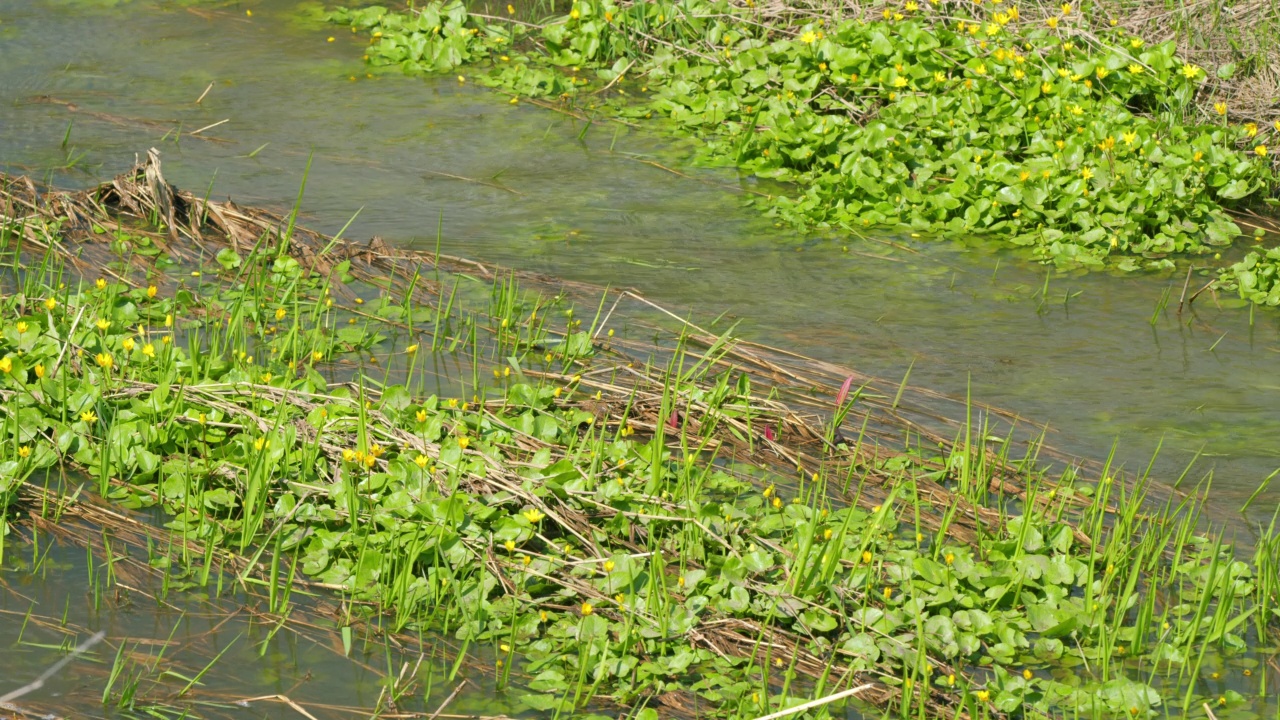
x: 178, y: 647
x: 515, y: 184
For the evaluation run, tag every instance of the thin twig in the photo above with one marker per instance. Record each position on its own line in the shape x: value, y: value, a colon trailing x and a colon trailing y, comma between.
x: 54, y: 668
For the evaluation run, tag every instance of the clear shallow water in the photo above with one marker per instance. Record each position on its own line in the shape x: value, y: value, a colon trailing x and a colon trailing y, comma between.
x: 160, y: 636
x: 1093, y: 366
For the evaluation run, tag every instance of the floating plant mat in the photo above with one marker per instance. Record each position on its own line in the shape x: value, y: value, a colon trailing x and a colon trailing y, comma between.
x: 693, y: 528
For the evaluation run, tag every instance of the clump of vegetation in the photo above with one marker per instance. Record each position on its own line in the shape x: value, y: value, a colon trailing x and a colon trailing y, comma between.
x: 1255, y: 278
x: 1086, y: 147
x: 660, y: 534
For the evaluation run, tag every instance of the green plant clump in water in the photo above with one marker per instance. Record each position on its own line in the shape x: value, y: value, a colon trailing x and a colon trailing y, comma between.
x: 1085, y: 149
x: 1256, y: 278
x: 595, y: 560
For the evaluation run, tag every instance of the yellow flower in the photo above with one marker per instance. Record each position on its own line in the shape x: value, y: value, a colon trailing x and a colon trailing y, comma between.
x: 1260, y: 151
x: 463, y: 442
x: 1052, y: 22
x: 168, y: 320
x: 899, y: 82
x: 1276, y: 125
x: 511, y: 10
x: 152, y: 290
x: 1101, y: 72
x: 1046, y: 88
x: 1220, y: 108
x: 420, y: 416
x: 981, y: 69
x: 88, y: 416
x: 509, y: 545
x: 949, y: 558
x: 411, y: 349
x: 866, y: 556
x: 21, y: 327
x: 939, y: 77
x: 982, y: 695
x: 50, y: 304
x: 888, y: 593
x: 103, y: 324
x: 349, y: 455
x: 1251, y: 129
x: 533, y: 515
x: 1086, y: 173
x: 587, y: 609
x: 259, y: 444
x: 280, y: 313
x: 1129, y: 137
x: 575, y: 14
x: 100, y: 283
x: 1026, y: 674
x: 808, y: 38
x: 1135, y: 69
x: 1066, y: 8
x: 421, y: 461
x: 1190, y: 71
x: 39, y: 371
x: 105, y: 361
x: 608, y: 566
x: 1022, y: 176
x: 24, y: 452
x: 1046, y: 174
x: 149, y: 350
x: 911, y: 7
x: 1197, y: 157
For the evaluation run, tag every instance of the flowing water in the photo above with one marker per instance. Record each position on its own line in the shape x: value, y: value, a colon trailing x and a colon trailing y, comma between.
x: 1094, y: 356
x: 171, y: 645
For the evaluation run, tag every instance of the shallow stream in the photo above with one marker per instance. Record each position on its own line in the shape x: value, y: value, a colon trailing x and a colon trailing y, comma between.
x: 86, y: 84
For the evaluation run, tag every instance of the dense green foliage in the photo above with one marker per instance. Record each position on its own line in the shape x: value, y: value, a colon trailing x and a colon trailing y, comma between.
x: 1086, y: 150
x: 605, y: 554
x: 1255, y: 278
